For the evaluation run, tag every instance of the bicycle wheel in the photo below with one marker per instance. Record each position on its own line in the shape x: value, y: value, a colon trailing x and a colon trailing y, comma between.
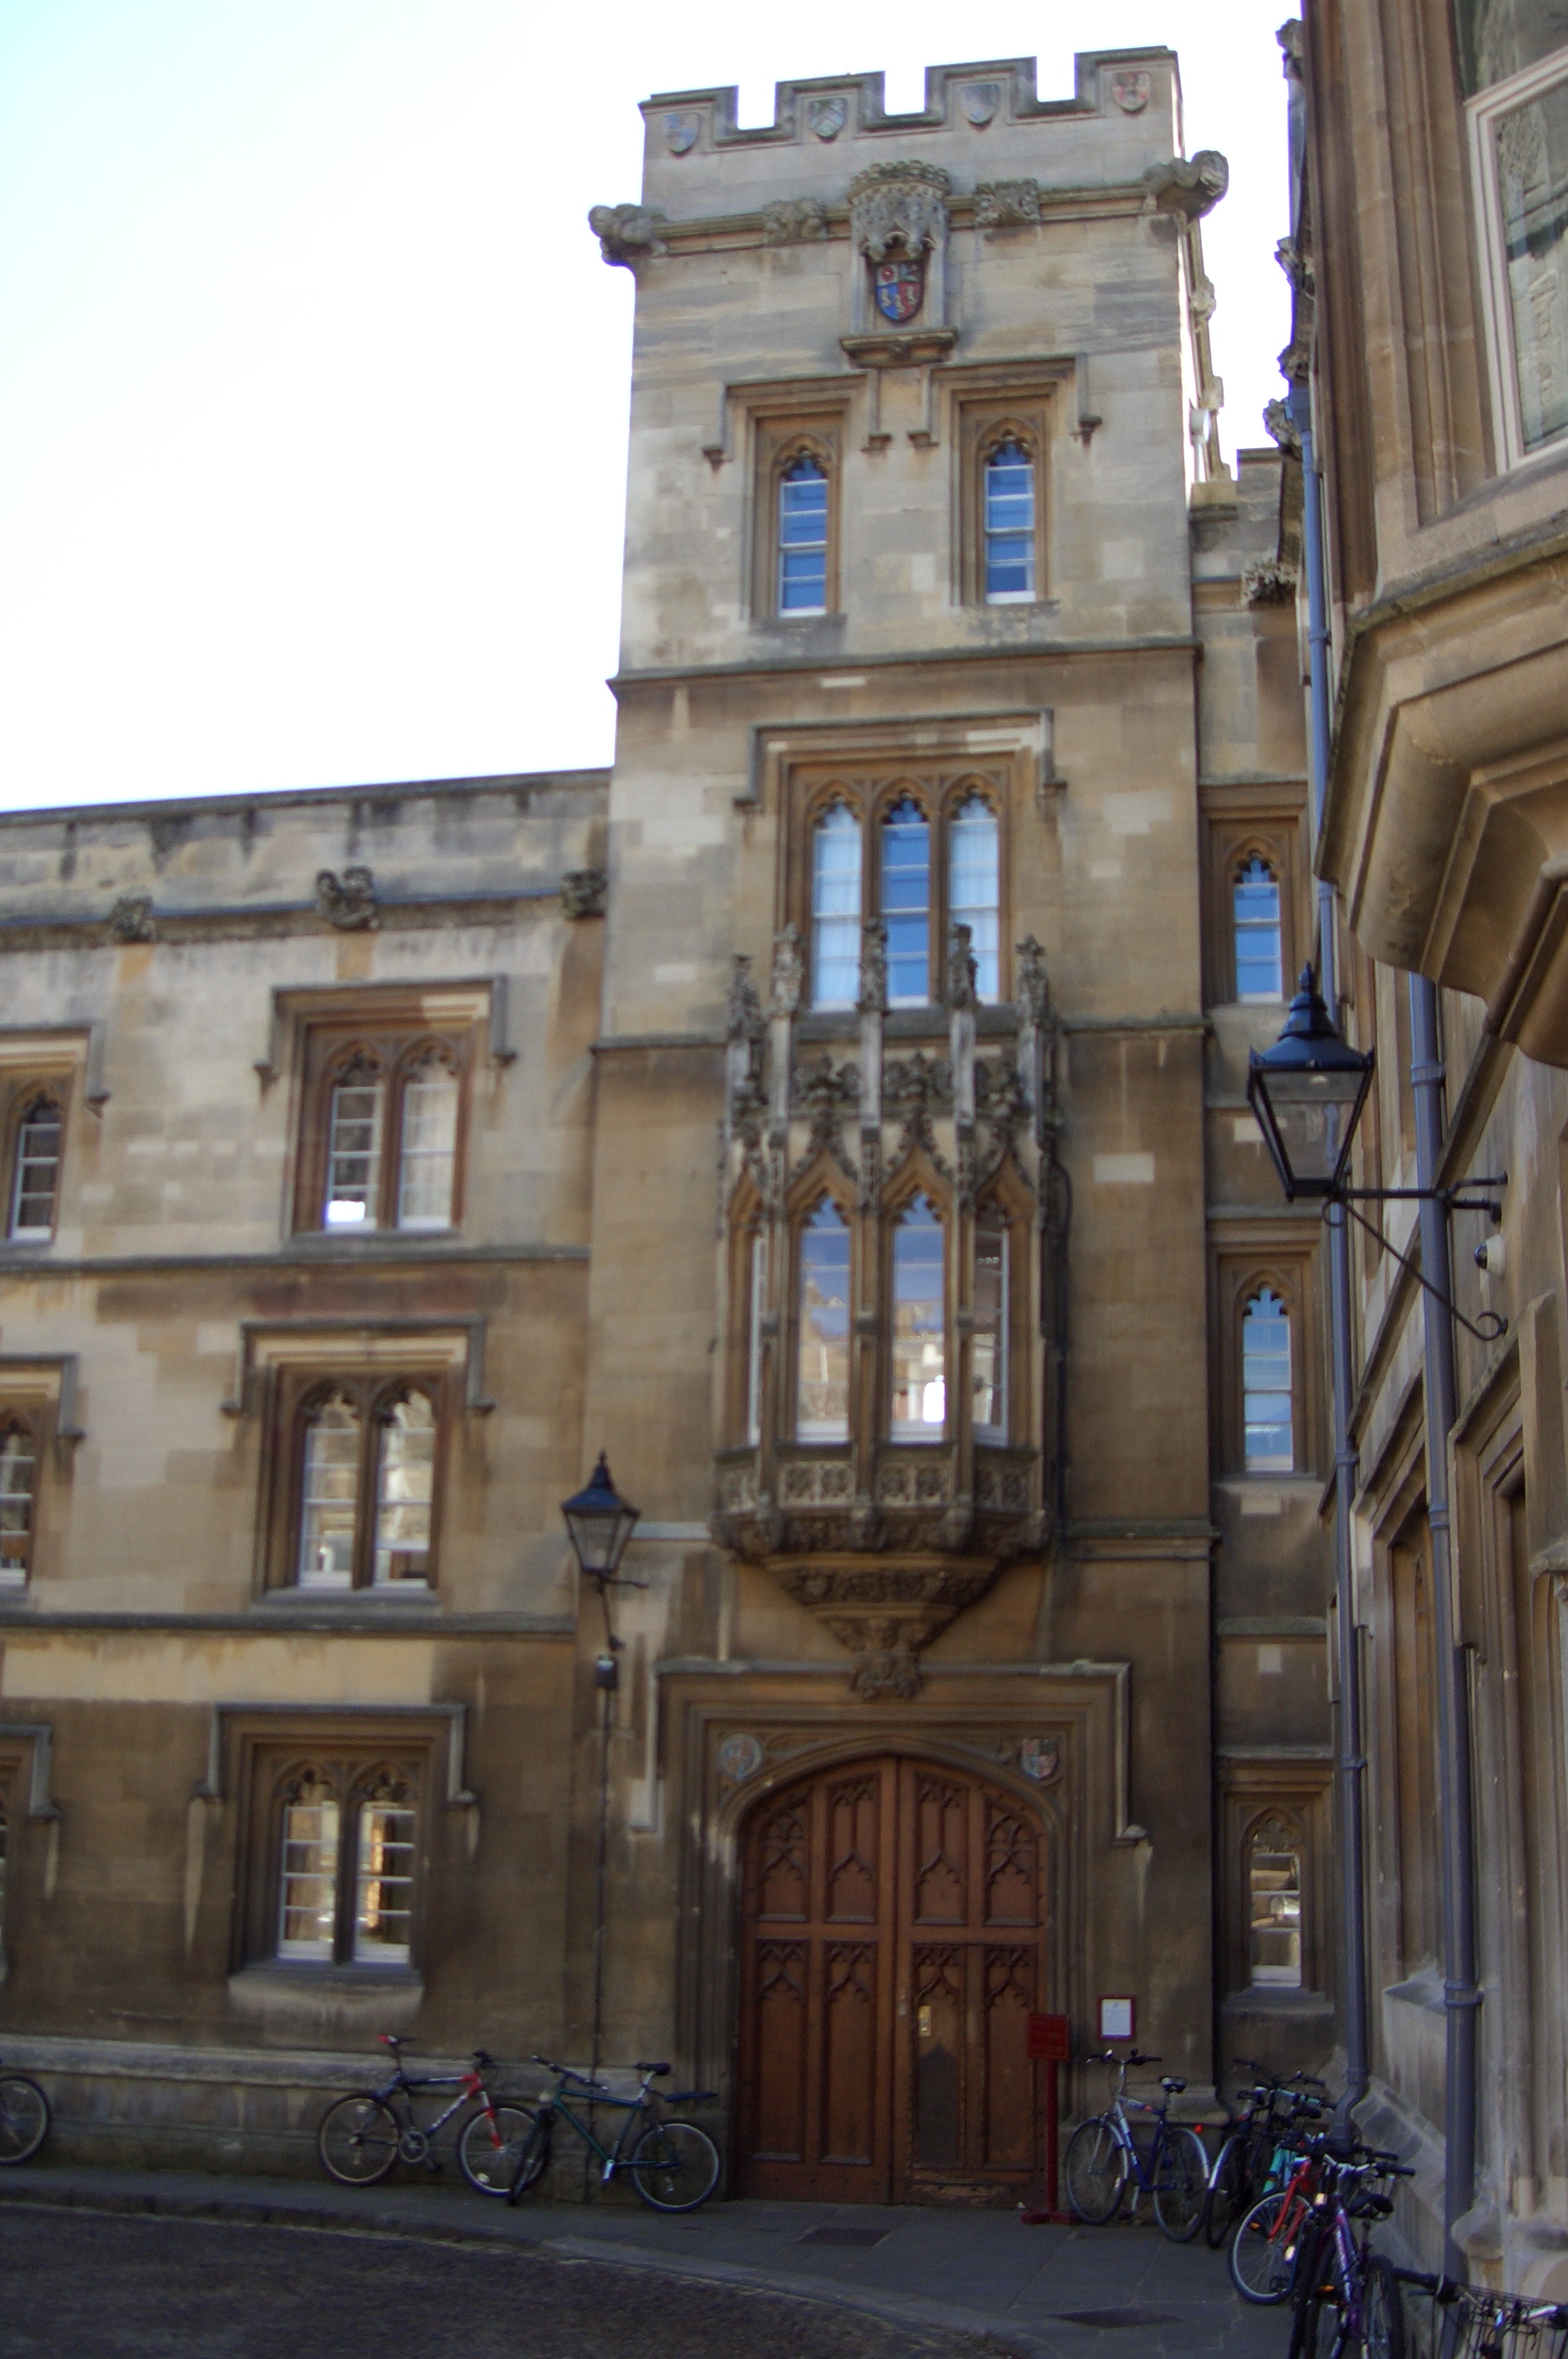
x: 675, y: 2167
x: 490, y: 2146
x: 1227, y: 2188
x: 1382, y: 2311
x: 357, y: 2140
x: 1318, y: 2326
x: 24, y: 2117
x: 532, y: 2159
x: 1182, y: 2185
x: 1094, y: 2172
x: 1263, y: 2251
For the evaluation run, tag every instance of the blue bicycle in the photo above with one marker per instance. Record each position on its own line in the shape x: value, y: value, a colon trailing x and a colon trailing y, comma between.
x: 1103, y: 2161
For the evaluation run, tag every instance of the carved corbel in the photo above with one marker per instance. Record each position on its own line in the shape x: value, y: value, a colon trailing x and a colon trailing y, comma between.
x: 348, y: 902
x: 1188, y: 186
x: 628, y: 234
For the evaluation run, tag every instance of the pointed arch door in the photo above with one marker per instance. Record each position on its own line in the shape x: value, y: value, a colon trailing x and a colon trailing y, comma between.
x: 893, y: 1927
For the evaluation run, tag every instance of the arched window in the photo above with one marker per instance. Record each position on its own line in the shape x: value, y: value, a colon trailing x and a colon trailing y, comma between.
x: 18, y: 1479
x: 906, y: 903
x: 803, y: 537
x: 835, y: 909
x: 428, y: 1146
x: 1267, y: 1402
x: 1010, y: 524
x: 355, y: 1121
x: 35, y: 1175
x: 990, y: 1347
x: 920, y: 1332
x: 307, y: 1878
x: 973, y: 889
x: 384, y: 1871
x: 1274, y: 1858
x: 822, y: 1410
x: 405, y: 1488
x: 330, y: 1493
x: 1254, y: 903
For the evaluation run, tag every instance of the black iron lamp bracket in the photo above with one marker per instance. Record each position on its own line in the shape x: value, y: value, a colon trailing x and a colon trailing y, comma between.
x: 1456, y: 1200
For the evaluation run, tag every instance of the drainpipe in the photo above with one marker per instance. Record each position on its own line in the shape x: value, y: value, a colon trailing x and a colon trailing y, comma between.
x: 1350, y: 1761
x: 1460, y: 1996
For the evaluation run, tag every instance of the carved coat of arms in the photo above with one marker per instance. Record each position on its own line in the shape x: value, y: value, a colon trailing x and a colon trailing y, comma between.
x: 1130, y: 90
x: 900, y: 287
x: 1039, y: 1758
x: 827, y: 116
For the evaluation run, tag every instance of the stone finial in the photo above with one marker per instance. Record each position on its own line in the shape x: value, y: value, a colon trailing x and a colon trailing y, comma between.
x: 628, y: 234
x: 899, y: 204
x: 1031, y: 991
x: 873, y: 967
x: 1005, y: 204
x: 1191, y: 186
x: 962, y: 974
x: 793, y: 222
x: 743, y: 1009
x: 788, y: 972
x: 584, y: 892
x: 347, y: 902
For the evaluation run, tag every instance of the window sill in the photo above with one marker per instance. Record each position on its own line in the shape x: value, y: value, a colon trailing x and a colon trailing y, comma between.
x: 337, y: 1602
x: 370, y: 1242
x: 335, y: 2002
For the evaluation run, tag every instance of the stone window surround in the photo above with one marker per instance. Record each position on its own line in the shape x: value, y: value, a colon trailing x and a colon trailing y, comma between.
x: 1278, y: 1255
x: 1481, y: 113
x: 395, y: 1027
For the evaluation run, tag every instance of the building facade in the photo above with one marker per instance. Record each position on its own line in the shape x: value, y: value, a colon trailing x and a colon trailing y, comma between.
x: 834, y: 1114
x: 1426, y: 257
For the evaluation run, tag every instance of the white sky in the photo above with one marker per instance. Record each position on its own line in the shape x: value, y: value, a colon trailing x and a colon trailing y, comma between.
x: 296, y: 296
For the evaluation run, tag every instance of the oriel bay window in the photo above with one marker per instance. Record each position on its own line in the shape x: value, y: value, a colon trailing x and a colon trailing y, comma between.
x: 366, y: 1485
x: 992, y: 1311
x: 937, y: 861
x: 822, y: 1348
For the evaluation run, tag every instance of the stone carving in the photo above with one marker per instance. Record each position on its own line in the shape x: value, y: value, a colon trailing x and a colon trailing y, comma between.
x: 873, y: 996
x: 899, y: 204
x: 1031, y: 991
x: 1005, y: 204
x: 348, y: 902
x: 584, y: 892
x: 1280, y: 424
x: 826, y: 1092
x: 1202, y: 300
x: 827, y: 116
x: 793, y: 221
x: 744, y: 1019
x: 979, y: 101
x: 740, y: 1756
x: 1040, y: 1758
x: 1188, y: 186
x: 131, y: 919
x: 1130, y: 89
x: 628, y: 234
x: 788, y: 972
x: 962, y: 974
x: 1265, y: 582
x: 680, y: 133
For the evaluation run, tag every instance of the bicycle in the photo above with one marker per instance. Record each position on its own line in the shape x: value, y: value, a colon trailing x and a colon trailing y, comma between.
x: 674, y: 2165
x: 1495, y: 2325
x: 360, y: 2137
x: 1260, y: 2147
x: 1347, y: 2296
x: 1262, y: 2257
x: 1101, y: 2158
x: 24, y: 2117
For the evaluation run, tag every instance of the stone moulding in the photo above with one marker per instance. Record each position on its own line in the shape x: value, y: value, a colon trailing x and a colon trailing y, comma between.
x: 899, y: 204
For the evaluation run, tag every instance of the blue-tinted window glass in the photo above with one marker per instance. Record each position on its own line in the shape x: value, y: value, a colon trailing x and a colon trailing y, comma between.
x: 920, y: 1356
x: 1256, y: 905
x: 1270, y: 1439
x: 803, y: 539
x: 906, y: 903
x: 1010, y: 524
x: 835, y: 909
x: 972, y: 895
x: 821, y: 1395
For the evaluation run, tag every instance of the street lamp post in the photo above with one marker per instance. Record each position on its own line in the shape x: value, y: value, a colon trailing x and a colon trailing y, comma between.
x: 600, y: 1522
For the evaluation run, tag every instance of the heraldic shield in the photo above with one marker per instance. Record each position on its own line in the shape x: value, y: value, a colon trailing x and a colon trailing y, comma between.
x: 900, y: 288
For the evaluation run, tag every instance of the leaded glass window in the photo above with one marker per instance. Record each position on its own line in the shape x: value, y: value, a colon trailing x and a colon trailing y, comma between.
x: 329, y: 1493
x: 355, y: 1119
x: 308, y: 1882
x: 405, y: 1489
x: 918, y: 1325
x: 384, y: 1874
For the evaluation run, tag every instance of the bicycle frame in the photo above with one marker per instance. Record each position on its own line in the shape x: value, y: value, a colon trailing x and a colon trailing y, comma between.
x: 613, y: 2158
x: 1144, y: 2179
x: 469, y: 2085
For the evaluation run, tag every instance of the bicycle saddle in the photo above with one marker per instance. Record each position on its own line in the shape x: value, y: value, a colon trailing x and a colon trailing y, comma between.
x: 658, y: 2068
x: 1174, y: 2082
x: 393, y: 2040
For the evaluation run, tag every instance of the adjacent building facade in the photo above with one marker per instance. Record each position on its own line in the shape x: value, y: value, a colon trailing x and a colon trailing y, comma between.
x: 1427, y: 258
x: 835, y: 1113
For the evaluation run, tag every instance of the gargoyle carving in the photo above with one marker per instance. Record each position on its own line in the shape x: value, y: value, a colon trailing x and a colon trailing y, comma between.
x: 348, y: 901
x: 793, y: 222
x: 131, y: 919
x: 584, y: 892
x: 628, y: 234
x: 1191, y: 186
x: 1005, y: 204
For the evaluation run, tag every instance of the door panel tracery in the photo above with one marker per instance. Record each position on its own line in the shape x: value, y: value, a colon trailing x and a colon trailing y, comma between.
x: 892, y: 1947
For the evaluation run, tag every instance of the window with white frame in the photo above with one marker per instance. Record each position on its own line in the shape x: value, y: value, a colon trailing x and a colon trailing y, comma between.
x: 18, y: 1497
x: 366, y: 1485
x: 1267, y: 1401
x: 914, y: 894
x: 1010, y: 524
x: 1518, y: 136
x: 1274, y: 1850
x: 1254, y: 915
x: 37, y: 1144
x: 803, y: 537
x: 346, y: 1857
x: 835, y: 908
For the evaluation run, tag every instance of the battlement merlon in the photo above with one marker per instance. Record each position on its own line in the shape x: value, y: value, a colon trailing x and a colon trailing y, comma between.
x: 980, y: 122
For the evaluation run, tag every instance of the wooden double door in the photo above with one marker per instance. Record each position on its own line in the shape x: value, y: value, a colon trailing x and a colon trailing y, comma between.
x: 892, y: 1949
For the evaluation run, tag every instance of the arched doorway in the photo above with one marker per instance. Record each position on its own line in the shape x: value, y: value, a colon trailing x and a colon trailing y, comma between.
x: 893, y: 1930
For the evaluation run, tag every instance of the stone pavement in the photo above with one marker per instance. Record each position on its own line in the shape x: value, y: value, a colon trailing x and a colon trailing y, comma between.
x: 1043, y: 2293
